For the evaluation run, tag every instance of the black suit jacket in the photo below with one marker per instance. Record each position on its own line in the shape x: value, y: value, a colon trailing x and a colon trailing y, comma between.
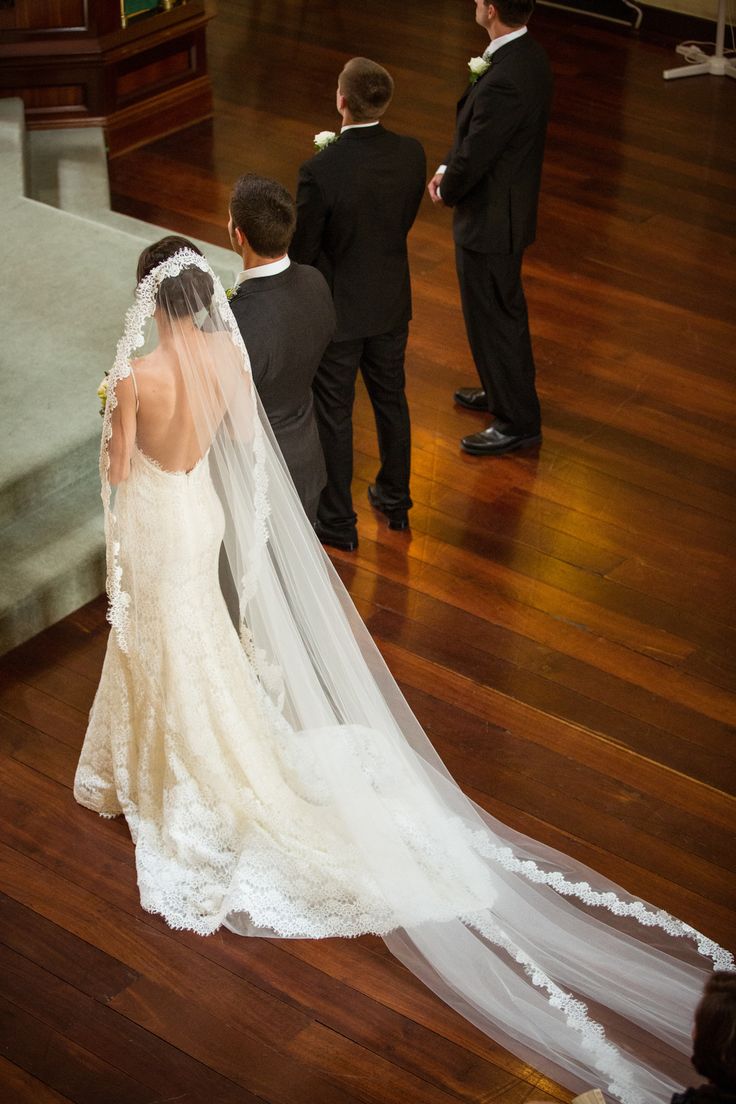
x: 356, y: 202
x: 287, y: 322
x: 495, y: 165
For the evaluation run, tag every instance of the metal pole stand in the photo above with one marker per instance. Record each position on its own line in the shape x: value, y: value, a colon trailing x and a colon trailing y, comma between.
x: 717, y: 64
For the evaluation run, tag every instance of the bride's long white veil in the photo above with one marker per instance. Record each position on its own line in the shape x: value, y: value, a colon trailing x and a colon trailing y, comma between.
x: 572, y: 974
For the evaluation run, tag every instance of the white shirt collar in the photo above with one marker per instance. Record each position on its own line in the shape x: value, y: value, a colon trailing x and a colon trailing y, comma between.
x: 269, y: 269
x: 353, y: 126
x: 497, y: 43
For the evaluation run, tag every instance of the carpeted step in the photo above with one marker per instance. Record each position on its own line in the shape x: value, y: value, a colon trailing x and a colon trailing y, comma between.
x: 68, y: 170
x: 53, y: 561
x: 61, y: 315
x: 69, y: 266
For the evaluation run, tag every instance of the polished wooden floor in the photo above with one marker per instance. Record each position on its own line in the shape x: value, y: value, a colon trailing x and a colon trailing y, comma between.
x: 562, y: 623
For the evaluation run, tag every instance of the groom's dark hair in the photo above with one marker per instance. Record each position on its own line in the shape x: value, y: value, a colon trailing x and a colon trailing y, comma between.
x: 264, y: 212
x: 367, y: 87
x: 513, y: 13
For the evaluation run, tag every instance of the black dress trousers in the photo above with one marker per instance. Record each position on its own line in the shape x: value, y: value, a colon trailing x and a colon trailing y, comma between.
x: 497, y: 325
x: 380, y: 360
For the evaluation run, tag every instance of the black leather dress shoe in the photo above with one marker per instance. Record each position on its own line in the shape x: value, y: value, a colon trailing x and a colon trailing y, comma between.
x: 494, y: 442
x: 472, y: 398
x: 397, y: 518
x: 346, y: 541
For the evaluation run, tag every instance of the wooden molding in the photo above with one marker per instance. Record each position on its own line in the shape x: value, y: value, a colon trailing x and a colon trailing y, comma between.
x: 158, y: 116
x: 154, y: 70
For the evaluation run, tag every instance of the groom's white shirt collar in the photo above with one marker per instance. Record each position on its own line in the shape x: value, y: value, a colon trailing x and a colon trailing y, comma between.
x: 503, y: 40
x: 354, y: 126
x: 270, y: 269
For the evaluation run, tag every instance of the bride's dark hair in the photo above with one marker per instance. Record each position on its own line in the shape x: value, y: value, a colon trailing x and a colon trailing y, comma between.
x: 183, y: 294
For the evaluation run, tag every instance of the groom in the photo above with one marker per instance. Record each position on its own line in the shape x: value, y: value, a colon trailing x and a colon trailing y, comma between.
x: 356, y: 202
x: 284, y: 312
x: 491, y: 178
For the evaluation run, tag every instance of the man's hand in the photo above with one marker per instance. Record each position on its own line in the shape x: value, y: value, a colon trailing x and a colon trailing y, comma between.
x: 434, y: 188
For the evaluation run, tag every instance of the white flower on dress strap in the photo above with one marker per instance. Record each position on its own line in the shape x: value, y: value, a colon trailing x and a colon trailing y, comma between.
x: 478, y: 66
x: 324, y: 139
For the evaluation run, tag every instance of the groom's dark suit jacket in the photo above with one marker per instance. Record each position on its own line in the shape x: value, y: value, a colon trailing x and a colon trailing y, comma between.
x: 356, y: 202
x: 495, y: 164
x: 287, y: 321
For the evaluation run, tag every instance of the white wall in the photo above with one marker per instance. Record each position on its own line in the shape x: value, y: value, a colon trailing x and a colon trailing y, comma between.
x: 706, y: 9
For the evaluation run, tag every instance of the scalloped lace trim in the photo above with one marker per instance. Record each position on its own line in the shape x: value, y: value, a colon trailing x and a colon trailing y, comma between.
x: 637, y: 910
x: 606, y: 1057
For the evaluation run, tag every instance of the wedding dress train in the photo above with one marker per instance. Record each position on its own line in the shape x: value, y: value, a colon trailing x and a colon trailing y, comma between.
x: 275, y: 781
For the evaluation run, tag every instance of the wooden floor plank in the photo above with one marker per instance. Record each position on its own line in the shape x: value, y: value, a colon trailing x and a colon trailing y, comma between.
x: 23, y: 1088
x: 563, y: 622
x: 267, y: 964
x: 62, y: 1064
x: 644, y: 659
x: 340, y: 1009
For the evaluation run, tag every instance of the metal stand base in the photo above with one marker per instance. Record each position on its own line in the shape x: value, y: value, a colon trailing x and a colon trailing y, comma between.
x: 716, y: 64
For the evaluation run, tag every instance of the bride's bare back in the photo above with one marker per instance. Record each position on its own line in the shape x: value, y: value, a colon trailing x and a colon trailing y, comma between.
x: 166, y: 432
x: 171, y: 406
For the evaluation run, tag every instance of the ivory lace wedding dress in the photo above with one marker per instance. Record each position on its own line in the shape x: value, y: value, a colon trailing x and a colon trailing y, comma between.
x: 226, y: 814
x: 274, y: 779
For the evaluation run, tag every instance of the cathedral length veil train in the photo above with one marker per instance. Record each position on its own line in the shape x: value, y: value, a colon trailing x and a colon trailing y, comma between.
x: 275, y: 780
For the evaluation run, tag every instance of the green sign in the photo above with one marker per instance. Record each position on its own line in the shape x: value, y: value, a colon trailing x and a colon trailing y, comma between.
x: 131, y: 8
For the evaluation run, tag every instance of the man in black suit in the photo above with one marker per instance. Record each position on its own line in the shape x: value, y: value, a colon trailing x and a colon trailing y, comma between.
x: 285, y: 313
x: 356, y: 202
x: 491, y: 179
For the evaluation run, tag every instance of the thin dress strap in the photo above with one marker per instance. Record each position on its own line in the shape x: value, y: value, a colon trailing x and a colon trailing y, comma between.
x: 135, y: 388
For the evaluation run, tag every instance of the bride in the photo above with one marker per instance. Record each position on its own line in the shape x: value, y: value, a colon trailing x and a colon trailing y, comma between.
x: 272, y: 775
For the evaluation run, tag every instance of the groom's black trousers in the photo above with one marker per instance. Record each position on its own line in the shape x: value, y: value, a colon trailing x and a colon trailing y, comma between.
x: 497, y: 325
x: 380, y: 360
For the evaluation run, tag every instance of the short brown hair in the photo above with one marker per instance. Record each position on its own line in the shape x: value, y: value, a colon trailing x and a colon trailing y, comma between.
x: 714, y: 1037
x: 264, y: 212
x: 367, y: 87
x: 513, y: 13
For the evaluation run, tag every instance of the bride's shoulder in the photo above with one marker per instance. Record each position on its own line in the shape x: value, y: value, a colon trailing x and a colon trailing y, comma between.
x: 144, y: 365
x: 141, y: 363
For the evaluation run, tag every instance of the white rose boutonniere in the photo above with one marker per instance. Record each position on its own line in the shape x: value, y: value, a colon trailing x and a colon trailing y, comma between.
x: 324, y: 139
x: 478, y: 66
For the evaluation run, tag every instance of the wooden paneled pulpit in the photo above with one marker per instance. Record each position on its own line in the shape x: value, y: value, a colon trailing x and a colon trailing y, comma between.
x: 137, y: 68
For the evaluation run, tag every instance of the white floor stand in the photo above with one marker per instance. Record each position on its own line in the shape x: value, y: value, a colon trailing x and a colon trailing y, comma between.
x: 717, y: 64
